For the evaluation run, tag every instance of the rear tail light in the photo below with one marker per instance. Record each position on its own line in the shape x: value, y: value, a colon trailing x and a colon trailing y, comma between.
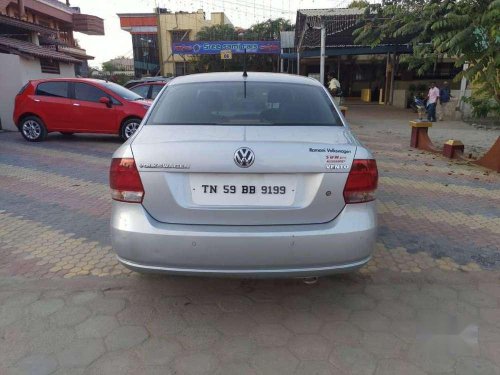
x: 125, y: 182
x: 362, y: 181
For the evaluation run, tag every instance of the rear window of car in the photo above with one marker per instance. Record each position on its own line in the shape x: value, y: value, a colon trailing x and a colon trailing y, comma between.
x: 155, y: 90
x: 141, y: 90
x: 244, y: 103
x: 55, y: 89
x: 121, y: 91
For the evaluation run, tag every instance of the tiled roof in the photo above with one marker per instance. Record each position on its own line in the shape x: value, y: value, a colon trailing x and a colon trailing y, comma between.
x: 6, y: 20
x: 22, y: 47
x: 62, y: 6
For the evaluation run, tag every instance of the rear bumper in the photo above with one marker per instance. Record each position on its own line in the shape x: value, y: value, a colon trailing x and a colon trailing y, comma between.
x: 342, y: 245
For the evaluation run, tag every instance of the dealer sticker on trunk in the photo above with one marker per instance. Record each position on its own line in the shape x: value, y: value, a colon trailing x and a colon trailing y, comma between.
x: 335, y: 159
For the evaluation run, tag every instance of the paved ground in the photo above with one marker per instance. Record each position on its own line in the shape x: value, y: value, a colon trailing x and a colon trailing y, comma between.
x: 427, y: 303
x: 476, y: 141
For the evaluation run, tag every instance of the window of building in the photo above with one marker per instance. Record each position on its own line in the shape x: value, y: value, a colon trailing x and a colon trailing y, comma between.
x: 146, y: 54
x: 50, y: 66
x: 180, y: 35
x: 54, y: 89
x: 181, y: 68
x: 88, y: 93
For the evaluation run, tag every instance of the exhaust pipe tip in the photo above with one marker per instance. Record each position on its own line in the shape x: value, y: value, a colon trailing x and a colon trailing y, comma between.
x: 310, y: 280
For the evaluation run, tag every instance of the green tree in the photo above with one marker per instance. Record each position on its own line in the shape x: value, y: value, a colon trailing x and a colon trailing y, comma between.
x: 108, y: 66
x: 217, y: 32
x: 268, y: 30
x: 358, y: 4
x: 465, y: 29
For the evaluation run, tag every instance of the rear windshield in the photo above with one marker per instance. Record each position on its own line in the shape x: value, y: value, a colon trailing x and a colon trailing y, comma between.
x: 244, y: 103
x: 122, y: 91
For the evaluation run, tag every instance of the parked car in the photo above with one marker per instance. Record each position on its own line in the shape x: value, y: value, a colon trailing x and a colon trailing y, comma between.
x: 77, y: 105
x: 135, y: 82
x: 244, y: 176
x: 148, y: 90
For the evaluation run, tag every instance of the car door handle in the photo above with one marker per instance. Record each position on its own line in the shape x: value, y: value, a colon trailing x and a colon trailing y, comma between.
x: 76, y: 104
x: 36, y: 100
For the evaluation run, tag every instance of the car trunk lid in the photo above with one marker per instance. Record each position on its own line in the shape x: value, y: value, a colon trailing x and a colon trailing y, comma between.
x: 190, y: 174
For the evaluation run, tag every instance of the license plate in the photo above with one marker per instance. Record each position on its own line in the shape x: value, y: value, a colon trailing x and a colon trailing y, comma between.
x: 268, y: 190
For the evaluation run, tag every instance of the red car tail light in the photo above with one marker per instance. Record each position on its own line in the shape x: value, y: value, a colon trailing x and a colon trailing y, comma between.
x: 125, y: 181
x: 362, y: 181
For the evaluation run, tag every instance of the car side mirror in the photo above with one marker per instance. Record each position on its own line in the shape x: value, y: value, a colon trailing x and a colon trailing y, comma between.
x: 105, y: 100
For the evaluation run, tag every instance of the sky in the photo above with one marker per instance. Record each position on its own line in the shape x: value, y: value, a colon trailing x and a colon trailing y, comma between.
x: 243, y: 13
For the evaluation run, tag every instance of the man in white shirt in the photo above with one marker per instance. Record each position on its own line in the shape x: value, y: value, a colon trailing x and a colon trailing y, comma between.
x: 432, y: 99
x: 334, y: 88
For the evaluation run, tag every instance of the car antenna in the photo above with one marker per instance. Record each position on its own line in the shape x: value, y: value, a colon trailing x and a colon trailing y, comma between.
x: 245, y: 63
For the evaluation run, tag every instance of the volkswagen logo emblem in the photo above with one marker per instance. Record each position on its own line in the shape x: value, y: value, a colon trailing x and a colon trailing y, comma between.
x: 244, y: 157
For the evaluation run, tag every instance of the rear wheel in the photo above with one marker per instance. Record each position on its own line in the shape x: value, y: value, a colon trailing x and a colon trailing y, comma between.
x: 33, y: 129
x: 129, y: 127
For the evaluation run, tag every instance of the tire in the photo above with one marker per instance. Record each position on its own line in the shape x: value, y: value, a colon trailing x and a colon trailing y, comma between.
x: 32, y: 129
x: 67, y: 134
x: 129, y: 127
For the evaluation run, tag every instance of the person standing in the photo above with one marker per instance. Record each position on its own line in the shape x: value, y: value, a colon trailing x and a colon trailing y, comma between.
x: 432, y: 99
x: 444, y: 99
x: 334, y: 88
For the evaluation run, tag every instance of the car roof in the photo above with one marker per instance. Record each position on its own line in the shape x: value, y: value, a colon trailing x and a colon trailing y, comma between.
x: 251, y: 77
x: 88, y: 80
x: 150, y: 79
x: 163, y: 83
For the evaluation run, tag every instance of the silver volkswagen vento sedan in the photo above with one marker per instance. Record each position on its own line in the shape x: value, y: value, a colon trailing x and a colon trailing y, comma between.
x: 244, y: 175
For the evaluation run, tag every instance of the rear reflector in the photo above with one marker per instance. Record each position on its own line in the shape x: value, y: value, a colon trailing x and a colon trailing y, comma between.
x: 362, y: 181
x: 125, y: 182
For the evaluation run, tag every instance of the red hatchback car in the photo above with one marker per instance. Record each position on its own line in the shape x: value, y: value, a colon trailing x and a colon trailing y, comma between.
x: 77, y: 105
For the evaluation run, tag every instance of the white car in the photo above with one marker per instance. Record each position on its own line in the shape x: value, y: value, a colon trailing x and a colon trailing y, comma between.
x: 255, y: 175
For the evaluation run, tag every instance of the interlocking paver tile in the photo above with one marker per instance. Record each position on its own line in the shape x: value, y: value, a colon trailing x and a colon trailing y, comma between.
x: 310, y: 347
x: 96, y: 326
x: 235, y: 368
x: 342, y: 332
x: 37, y: 364
x: 317, y: 368
x: 198, y: 337
x: 81, y: 353
x: 353, y: 360
x: 236, y: 349
x: 302, y: 322
x: 159, y: 352
x: 397, y: 367
x: 235, y: 324
x: 270, y: 334
x: 195, y: 364
x: 275, y: 361
x: 125, y: 337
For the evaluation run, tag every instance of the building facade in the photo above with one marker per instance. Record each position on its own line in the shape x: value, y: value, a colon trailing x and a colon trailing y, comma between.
x: 122, y: 65
x: 371, y: 74
x: 36, y: 41
x: 154, y: 33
